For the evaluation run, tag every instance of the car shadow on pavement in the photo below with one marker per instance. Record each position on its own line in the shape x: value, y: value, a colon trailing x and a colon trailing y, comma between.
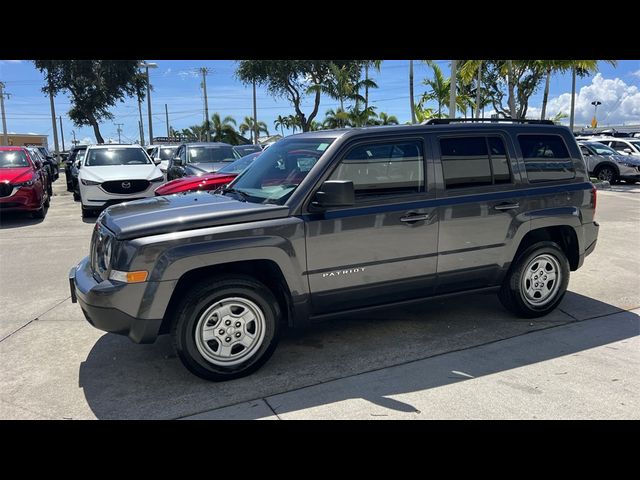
x: 17, y: 220
x: 121, y: 380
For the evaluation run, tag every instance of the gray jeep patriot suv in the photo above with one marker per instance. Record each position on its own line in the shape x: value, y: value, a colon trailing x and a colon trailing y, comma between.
x: 330, y: 222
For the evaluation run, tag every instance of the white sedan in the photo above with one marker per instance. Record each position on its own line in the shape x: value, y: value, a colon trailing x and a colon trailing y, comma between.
x: 116, y: 173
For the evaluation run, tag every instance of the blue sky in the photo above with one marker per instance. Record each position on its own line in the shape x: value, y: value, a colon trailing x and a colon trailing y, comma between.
x: 177, y: 84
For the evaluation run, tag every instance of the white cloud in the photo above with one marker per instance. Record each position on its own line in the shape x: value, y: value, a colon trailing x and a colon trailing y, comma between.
x: 167, y: 72
x: 184, y: 74
x: 636, y: 73
x: 87, y: 140
x: 10, y: 61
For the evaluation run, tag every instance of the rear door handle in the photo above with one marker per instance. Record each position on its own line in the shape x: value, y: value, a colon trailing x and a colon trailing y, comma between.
x: 506, y: 206
x: 410, y: 218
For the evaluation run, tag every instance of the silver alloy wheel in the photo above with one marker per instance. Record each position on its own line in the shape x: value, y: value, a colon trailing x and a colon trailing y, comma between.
x: 606, y: 174
x: 230, y: 331
x: 541, y: 280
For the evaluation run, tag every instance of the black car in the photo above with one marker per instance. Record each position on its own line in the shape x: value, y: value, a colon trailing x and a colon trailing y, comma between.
x: 200, y: 158
x: 333, y: 222
x: 50, y: 160
x: 247, y: 149
x: 71, y: 159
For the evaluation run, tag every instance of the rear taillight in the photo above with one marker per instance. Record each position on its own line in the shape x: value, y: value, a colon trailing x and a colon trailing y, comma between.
x: 594, y: 200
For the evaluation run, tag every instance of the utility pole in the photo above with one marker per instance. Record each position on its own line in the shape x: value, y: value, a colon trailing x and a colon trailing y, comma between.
x: 140, y: 122
x: 452, y: 91
x: 119, y: 125
x: 413, y: 108
x: 62, y: 133
x: 5, y: 138
x: 74, y: 141
x: 255, y: 115
x: 205, y: 72
x: 55, y: 126
x: 147, y: 66
x: 166, y: 114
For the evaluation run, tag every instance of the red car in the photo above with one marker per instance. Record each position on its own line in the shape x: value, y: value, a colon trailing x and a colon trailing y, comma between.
x: 209, y: 181
x: 23, y: 182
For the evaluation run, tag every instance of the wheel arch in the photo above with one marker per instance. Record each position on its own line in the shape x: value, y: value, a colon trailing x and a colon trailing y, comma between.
x: 564, y: 235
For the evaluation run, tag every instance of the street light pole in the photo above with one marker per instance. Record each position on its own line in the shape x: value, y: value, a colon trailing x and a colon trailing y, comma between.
x: 147, y: 66
x: 5, y: 137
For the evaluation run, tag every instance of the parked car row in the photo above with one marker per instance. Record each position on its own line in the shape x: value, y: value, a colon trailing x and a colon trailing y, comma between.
x: 607, y: 164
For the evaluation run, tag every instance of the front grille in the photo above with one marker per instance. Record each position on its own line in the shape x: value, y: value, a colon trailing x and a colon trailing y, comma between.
x: 10, y: 205
x: 5, y: 189
x: 124, y: 187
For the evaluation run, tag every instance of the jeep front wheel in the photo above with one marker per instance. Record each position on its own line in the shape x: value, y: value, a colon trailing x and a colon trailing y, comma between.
x: 537, y: 281
x: 226, y: 327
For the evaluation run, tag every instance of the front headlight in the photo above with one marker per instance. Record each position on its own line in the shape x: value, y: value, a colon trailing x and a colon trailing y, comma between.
x: 28, y: 183
x: 105, y: 254
x: 157, y: 179
x: 89, y: 182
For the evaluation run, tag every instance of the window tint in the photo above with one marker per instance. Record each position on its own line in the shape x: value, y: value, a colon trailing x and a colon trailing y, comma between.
x: 585, y: 151
x: 383, y: 169
x: 546, y: 158
x: 474, y: 161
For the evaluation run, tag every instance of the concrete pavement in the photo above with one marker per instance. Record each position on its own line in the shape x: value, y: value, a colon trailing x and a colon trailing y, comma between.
x: 55, y: 365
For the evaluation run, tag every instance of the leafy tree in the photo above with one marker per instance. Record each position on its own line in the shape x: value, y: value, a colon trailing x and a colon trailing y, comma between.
x: 335, y: 118
x: 223, y: 129
x: 94, y: 86
x: 521, y: 79
x: 293, y: 122
x: 438, y: 89
x: 291, y: 79
x: 376, y: 65
x: 248, y: 125
x: 315, y: 126
x: 581, y: 68
x: 361, y: 118
x: 385, y: 119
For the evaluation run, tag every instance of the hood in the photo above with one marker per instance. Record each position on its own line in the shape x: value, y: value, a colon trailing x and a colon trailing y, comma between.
x: 200, y: 168
x: 627, y: 159
x: 15, y: 175
x: 119, y: 172
x: 153, y: 216
x: 210, y: 181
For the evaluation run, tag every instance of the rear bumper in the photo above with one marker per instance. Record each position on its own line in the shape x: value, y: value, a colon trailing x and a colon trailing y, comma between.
x: 98, y: 301
x: 589, y: 240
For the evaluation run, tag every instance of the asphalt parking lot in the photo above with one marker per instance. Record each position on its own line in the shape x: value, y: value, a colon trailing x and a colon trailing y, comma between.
x: 442, y: 359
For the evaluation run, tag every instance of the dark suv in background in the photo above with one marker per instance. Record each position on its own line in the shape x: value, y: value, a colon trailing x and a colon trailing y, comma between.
x: 200, y: 158
x: 330, y: 222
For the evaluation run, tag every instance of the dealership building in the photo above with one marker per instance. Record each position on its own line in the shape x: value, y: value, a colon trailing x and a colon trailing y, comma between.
x: 25, y: 140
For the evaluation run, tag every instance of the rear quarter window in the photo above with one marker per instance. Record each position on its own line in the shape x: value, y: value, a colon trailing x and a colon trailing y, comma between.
x: 546, y: 158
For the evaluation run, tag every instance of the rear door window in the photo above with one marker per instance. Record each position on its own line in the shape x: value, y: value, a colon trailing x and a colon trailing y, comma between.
x: 546, y: 158
x: 474, y: 161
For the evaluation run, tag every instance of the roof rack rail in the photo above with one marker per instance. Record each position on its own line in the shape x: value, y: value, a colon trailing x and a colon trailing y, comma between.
x: 446, y: 121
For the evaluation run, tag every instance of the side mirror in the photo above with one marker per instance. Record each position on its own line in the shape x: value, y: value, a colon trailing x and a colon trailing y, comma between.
x: 156, y: 160
x: 335, y: 193
x: 628, y: 151
x: 177, y: 161
x: 38, y: 164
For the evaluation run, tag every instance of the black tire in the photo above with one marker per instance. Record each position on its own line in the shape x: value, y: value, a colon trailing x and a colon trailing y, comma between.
x: 47, y: 202
x: 40, y: 213
x: 206, y: 294
x: 87, y: 212
x: 50, y: 190
x: 76, y: 196
x: 606, y: 173
x: 511, y: 294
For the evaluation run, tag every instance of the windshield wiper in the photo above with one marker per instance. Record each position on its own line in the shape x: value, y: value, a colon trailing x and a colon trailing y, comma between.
x: 243, y: 196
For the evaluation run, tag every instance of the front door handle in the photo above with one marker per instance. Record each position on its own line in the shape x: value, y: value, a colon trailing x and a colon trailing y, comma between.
x: 410, y: 218
x: 506, y: 206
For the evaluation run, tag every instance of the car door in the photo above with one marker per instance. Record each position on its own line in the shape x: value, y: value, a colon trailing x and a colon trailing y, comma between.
x: 383, y: 248
x: 479, y: 206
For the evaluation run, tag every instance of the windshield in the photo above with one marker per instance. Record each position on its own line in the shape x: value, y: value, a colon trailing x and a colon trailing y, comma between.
x: 212, y: 154
x: 246, y: 149
x: 636, y: 144
x: 13, y: 159
x: 278, y: 171
x: 167, y: 153
x: 101, y: 157
x: 602, y: 149
x: 239, y: 165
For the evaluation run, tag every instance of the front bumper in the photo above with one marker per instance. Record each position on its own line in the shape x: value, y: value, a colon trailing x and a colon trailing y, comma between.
x: 21, y: 199
x: 95, y: 196
x: 100, y: 301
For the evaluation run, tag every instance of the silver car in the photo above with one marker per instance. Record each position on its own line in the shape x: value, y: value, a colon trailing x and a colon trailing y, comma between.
x: 607, y: 164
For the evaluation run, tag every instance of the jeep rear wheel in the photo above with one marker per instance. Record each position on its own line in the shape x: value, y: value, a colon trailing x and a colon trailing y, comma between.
x: 537, y: 281
x: 226, y: 327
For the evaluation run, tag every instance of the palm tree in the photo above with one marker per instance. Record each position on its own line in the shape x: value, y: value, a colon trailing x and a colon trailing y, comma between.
x: 361, y: 118
x: 313, y: 126
x: 581, y: 68
x: 385, y: 119
x: 293, y: 122
x: 248, y: 125
x: 439, y: 88
x: 280, y: 122
x: 558, y: 116
x: 469, y: 69
x: 335, y: 119
x: 550, y: 67
x: 223, y: 129
x: 376, y: 64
